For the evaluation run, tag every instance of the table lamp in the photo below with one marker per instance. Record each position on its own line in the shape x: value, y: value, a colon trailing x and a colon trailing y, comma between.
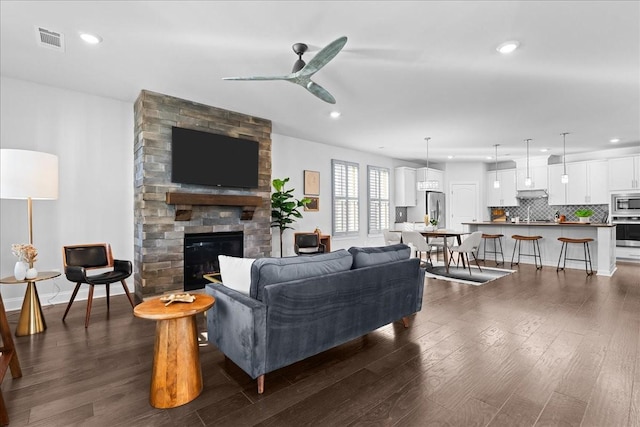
x: 29, y: 175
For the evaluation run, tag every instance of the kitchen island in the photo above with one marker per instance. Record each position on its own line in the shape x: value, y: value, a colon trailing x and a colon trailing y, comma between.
x: 603, y: 247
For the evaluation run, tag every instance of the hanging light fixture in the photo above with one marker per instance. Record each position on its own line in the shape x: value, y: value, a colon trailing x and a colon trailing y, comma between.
x: 496, y: 183
x: 427, y: 184
x: 564, y: 178
x: 527, y: 180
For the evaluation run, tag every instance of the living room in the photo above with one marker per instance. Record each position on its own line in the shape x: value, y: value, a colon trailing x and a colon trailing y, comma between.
x: 92, y: 133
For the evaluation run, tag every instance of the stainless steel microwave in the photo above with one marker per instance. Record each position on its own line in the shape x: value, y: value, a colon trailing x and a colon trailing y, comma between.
x: 625, y: 204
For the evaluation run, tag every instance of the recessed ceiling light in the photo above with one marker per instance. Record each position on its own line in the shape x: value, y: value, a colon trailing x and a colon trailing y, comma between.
x: 449, y: 157
x: 489, y: 157
x: 614, y: 140
x: 508, y: 47
x: 90, y: 38
x: 544, y: 150
x: 335, y: 114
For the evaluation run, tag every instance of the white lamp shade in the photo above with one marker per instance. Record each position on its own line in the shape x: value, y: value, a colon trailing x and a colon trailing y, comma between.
x: 25, y: 174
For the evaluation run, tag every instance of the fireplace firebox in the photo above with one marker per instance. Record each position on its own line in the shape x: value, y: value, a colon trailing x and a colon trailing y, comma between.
x: 201, y: 252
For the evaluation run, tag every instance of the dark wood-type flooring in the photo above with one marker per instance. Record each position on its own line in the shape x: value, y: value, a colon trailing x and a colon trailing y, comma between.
x: 533, y: 348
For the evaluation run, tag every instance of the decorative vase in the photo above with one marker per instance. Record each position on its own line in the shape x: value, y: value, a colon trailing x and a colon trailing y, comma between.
x: 20, y: 270
x: 584, y: 219
x: 32, y: 273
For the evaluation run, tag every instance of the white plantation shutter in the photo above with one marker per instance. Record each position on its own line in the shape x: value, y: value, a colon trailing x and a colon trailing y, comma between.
x: 378, y: 184
x: 345, y: 198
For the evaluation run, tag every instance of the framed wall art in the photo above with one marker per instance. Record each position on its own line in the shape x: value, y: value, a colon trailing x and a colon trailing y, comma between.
x: 313, y: 205
x: 311, y: 183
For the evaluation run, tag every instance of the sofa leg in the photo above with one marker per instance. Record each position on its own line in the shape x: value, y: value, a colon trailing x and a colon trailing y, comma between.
x: 261, y: 384
x: 405, y: 322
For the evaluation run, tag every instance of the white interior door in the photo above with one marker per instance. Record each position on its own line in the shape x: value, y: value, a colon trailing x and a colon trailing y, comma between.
x: 463, y: 204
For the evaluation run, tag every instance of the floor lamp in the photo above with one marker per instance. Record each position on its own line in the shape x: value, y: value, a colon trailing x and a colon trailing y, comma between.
x: 29, y: 175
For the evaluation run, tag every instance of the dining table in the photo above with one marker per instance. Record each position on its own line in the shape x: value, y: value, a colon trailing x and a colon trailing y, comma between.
x: 445, y: 234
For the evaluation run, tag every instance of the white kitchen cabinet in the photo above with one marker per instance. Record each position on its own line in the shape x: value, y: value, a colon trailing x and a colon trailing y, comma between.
x: 557, y: 190
x: 588, y: 183
x: 538, y: 175
x: 405, y: 186
x: 505, y: 195
x: 624, y: 173
x: 434, y: 175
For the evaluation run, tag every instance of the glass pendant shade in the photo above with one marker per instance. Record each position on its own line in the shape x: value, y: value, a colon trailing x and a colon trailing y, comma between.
x: 564, y: 178
x: 527, y: 182
x: 427, y: 184
x: 496, y: 184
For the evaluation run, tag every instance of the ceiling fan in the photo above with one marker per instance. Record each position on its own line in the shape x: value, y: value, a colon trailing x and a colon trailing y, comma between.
x: 302, y: 72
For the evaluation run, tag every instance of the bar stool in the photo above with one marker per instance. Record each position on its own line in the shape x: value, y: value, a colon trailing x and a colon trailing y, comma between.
x: 535, y: 245
x: 494, y: 237
x: 587, y: 253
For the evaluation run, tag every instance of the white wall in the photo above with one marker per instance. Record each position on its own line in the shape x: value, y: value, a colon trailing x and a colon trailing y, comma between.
x: 93, y: 139
x: 291, y: 156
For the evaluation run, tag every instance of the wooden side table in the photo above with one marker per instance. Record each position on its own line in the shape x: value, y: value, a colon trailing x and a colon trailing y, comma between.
x: 31, y: 319
x: 8, y: 359
x: 176, y: 378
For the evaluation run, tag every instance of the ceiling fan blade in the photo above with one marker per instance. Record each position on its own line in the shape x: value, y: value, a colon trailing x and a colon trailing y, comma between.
x: 323, y: 57
x: 320, y: 92
x: 287, y: 77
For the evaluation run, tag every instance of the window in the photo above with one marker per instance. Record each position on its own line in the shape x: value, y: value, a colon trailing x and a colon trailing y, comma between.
x: 345, y: 198
x: 378, y: 184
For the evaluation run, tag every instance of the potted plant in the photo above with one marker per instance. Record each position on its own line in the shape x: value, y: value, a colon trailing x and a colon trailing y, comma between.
x: 284, y: 207
x: 584, y: 215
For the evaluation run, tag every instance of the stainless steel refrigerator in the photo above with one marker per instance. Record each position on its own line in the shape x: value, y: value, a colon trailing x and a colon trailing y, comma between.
x: 436, y: 207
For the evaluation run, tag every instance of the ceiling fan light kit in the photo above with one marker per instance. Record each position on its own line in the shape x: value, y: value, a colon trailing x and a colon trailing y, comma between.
x: 302, y: 72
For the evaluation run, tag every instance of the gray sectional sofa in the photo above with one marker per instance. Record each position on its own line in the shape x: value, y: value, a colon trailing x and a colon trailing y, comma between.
x: 300, y: 306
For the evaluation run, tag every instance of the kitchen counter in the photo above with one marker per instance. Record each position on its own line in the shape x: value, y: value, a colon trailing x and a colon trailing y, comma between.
x: 542, y: 223
x: 603, y: 247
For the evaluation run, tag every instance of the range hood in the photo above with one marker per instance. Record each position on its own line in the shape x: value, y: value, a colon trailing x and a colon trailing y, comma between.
x: 532, y: 194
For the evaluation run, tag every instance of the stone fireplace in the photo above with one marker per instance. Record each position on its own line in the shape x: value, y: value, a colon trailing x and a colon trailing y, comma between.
x: 166, y: 211
x: 201, y: 252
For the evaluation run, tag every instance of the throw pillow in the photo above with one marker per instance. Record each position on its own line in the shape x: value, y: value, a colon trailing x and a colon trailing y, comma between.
x: 236, y: 272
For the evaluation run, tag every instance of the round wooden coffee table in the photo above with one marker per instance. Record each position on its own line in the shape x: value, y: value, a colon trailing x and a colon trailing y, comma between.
x: 176, y: 377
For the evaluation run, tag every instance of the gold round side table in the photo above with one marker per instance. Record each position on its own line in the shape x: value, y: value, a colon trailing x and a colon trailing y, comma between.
x: 31, y: 318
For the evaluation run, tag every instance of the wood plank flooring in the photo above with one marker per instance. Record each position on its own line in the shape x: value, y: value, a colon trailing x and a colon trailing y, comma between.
x: 531, y: 349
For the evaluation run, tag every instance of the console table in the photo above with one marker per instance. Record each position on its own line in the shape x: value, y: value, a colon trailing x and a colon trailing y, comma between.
x: 31, y: 318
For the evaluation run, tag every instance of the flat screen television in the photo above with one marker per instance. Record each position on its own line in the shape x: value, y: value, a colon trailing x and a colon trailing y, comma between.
x: 210, y: 159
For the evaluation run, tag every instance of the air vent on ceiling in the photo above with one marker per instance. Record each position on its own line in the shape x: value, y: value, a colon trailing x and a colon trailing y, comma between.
x: 50, y: 39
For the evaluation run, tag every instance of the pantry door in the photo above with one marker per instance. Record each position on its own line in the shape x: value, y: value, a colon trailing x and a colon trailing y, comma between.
x: 464, y: 204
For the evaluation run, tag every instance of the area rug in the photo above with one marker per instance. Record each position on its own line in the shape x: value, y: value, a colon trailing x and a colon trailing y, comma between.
x: 461, y: 275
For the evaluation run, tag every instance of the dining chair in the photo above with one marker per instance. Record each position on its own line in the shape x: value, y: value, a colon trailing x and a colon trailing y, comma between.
x: 419, y: 244
x: 469, y: 246
x: 391, y: 237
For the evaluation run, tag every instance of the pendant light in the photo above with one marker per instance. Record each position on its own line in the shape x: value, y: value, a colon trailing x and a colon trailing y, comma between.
x: 496, y: 183
x: 564, y: 178
x: 427, y: 184
x: 527, y: 180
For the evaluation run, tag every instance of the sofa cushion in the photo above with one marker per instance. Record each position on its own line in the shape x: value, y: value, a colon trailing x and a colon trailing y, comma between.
x: 267, y: 271
x: 366, y: 257
x: 236, y: 272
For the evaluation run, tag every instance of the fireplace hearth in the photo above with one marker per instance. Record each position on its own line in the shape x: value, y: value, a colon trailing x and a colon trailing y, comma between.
x: 201, y: 252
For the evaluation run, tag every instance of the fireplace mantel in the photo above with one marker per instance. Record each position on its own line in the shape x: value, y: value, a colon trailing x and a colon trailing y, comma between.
x: 248, y: 203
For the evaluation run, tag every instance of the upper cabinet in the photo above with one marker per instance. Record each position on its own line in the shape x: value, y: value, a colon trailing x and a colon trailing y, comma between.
x: 505, y: 195
x: 434, y: 175
x: 588, y: 184
x: 557, y: 190
x: 406, y: 192
x: 537, y: 173
x: 624, y: 173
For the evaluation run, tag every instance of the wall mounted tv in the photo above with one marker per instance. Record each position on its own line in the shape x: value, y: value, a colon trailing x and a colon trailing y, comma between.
x: 210, y: 159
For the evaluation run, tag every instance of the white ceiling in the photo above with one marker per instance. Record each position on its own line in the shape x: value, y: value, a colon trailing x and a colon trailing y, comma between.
x: 409, y: 69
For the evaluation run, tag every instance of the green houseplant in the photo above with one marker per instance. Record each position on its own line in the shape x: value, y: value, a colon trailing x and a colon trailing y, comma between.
x: 284, y: 207
x: 584, y: 214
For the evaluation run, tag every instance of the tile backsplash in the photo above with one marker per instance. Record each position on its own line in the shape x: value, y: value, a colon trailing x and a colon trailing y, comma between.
x: 540, y: 210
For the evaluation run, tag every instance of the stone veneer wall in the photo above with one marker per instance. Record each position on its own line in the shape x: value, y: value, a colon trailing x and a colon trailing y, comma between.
x: 159, y: 238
